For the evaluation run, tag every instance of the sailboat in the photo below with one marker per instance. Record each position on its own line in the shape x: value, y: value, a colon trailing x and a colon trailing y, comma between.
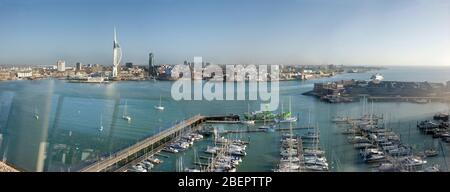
x: 248, y: 122
x: 125, y: 114
x: 101, y: 123
x: 160, y: 107
x: 36, y: 115
x: 286, y: 117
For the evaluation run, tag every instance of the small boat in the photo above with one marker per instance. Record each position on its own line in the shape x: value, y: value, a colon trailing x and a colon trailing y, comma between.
x: 286, y: 120
x: 316, y: 162
x: 192, y: 170
x: 289, y: 166
x: 430, y: 152
x: 148, y: 165
x: 387, y: 167
x: 339, y: 119
x: 248, y: 122
x: 137, y: 168
x: 288, y: 152
x: 155, y: 160
x: 36, y: 115
x: 265, y: 127
x: 101, y: 124
x: 125, y: 115
x: 399, y: 151
x: 374, y: 158
x: 358, y: 139
x: 313, y: 167
x: 171, y: 150
x: 412, y: 161
x: 290, y: 159
x: 310, y: 135
x: 160, y: 107
x: 370, y: 151
x: 434, y: 168
x: 128, y: 118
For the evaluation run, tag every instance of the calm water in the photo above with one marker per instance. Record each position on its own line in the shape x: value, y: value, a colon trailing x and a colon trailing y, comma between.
x: 66, y: 135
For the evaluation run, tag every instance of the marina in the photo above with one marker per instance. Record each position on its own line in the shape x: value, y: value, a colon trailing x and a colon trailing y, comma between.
x: 79, y: 125
x: 377, y: 144
x: 438, y: 127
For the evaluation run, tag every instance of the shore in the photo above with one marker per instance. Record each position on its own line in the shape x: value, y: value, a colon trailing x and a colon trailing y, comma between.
x: 6, y: 168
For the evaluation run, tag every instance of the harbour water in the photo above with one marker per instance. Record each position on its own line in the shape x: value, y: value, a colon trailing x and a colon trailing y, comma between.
x: 80, y: 123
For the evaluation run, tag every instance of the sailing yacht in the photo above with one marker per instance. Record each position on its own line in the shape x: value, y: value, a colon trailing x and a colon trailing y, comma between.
x: 248, y: 122
x: 125, y: 114
x: 160, y: 107
x: 36, y: 115
x: 101, y: 123
x: 286, y: 117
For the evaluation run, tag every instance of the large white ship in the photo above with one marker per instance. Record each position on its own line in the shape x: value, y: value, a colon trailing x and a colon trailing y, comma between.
x: 377, y: 78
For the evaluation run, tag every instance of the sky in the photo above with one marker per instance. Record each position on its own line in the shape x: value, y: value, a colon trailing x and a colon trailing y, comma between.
x: 349, y: 32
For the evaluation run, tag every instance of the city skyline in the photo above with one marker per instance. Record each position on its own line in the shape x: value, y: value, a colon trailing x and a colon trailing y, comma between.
x: 250, y: 32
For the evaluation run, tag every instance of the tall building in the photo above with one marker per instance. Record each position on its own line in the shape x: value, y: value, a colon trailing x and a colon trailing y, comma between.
x: 117, y: 55
x: 61, y: 65
x: 151, y: 65
x: 78, y: 66
x: 129, y: 65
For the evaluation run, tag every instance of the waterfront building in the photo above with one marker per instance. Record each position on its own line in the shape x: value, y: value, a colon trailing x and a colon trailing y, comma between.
x: 5, y: 75
x: 151, y: 65
x: 24, y: 74
x: 78, y: 66
x: 117, y: 55
x: 61, y: 65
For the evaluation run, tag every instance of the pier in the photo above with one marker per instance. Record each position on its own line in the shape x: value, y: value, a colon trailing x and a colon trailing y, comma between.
x: 123, y: 158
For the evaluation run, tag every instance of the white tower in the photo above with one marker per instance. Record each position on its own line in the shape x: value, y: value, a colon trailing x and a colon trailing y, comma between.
x: 61, y: 65
x: 117, y: 55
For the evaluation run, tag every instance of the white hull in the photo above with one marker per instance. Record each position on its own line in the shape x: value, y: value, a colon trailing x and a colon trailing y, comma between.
x: 248, y: 122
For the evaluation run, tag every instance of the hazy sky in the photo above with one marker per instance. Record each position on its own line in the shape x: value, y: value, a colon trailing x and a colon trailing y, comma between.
x: 352, y: 32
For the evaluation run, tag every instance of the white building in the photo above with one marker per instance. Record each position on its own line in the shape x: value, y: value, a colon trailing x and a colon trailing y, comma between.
x: 24, y: 74
x: 61, y: 65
